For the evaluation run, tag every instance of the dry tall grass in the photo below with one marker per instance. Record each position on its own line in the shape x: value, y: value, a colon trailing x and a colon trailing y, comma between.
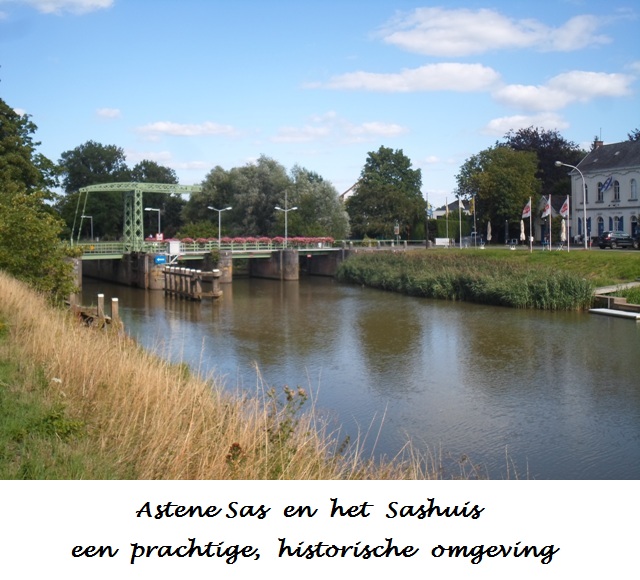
x: 160, y: 421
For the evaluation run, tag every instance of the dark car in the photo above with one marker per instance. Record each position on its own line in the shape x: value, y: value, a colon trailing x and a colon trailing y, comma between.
x: 616, y: 240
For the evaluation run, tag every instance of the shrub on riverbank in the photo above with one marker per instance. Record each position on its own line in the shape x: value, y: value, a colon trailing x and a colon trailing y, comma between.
x: 469, y: 276
x: 84, y: 403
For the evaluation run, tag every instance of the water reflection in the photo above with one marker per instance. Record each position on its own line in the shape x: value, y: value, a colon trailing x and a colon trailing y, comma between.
x: 559, y: 391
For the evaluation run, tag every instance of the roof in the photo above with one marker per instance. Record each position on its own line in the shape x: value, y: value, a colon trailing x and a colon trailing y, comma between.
x: 613, y: 156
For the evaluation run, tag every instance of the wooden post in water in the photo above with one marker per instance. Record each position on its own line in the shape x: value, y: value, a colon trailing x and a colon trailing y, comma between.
x: 115, y: 311
x: 100, y: 311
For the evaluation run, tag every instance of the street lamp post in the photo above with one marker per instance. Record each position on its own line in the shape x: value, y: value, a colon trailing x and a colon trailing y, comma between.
x: 88, y: 217
x: 286, y: 211
x: 219, y: 220
x: 584, y: 199
x: 154, y: 209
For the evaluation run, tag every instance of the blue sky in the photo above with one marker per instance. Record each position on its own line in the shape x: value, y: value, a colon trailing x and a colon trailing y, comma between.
x: 193, y: 84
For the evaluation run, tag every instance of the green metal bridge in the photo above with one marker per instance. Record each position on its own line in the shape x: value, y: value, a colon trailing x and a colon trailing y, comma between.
x: 133, y: 239
x: 133, y: 231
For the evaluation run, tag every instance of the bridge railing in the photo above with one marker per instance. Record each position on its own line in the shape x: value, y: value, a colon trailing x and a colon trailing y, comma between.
x: 111, y: 248
x: 203, y: 246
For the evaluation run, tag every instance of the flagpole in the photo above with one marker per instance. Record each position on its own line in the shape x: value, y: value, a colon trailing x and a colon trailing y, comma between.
x: 460, y: 220
x: 530, y: 230
x: 567, y: 228
x: 446, y: 205
x: 550, y: 222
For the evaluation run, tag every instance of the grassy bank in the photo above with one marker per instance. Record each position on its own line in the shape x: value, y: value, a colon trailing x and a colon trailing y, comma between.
x: 81, y: 403
x: 540, y: 280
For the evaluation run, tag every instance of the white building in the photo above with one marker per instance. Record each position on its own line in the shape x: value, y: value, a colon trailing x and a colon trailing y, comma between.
x: 611, y: 176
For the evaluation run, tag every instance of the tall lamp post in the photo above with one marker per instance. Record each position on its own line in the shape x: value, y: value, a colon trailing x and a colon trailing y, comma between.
x: 584, y: 199
x: 154, y: 209
x: 88, y: 217
x: 219, y: 220
x: 286, y: 211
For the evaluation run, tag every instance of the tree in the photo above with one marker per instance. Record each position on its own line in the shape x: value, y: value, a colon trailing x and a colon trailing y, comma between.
x: 253, y: 191
x: 634, y: 135
x: 549, y: 146
x: 501, y: 180
x: 30, y: 246
x: 320, y: 212
x: 388, y: 192
x: 88, y: 164
x: 93, y: 163
x: 19, y: 161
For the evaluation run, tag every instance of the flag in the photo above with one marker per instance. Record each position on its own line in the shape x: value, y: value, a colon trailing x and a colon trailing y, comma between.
x: 460, y: 204
x: 526, y: 212
x: 564, y: 210
x: 607, y: 184
x: 547, y: 207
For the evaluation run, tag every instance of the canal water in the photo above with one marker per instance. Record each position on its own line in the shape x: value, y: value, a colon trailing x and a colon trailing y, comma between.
x: 523, y: 394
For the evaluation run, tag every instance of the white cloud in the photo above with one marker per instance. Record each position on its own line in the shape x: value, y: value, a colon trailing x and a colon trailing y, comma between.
x: 161, y: 157
x: 503, y: 125
x: 108, y: 113
x: 564, y: 89
x: 19, y: 111
x: 433, y: 77
x: 330, y: 125
x: 73, y: 6
x: 366, y: 131
x: 156, y: 130
x: 300, y: 134
x: 462, y: 32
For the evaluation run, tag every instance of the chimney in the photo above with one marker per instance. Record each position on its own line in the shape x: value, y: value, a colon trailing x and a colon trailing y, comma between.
x: 598, y: 144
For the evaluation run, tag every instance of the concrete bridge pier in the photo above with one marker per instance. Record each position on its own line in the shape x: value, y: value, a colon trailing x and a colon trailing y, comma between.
x: 225, y: 265
x: 282, y: 265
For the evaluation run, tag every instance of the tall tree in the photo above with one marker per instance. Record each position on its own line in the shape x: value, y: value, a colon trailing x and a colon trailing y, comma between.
x: 320, y: 212
x: 88, y: 164
x: 634, y: 135
x: 549, y: 146
x: 253, y: 191
x: 19, y: 160
x: 501, y: 181
x: 388, y: 192
x: 30, y: 246
x: 93, y: 163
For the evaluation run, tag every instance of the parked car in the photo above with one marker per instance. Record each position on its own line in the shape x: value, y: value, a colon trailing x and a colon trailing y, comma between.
x: 616, y: 240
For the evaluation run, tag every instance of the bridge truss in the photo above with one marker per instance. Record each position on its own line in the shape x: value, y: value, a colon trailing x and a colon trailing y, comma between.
x: 133, y: 230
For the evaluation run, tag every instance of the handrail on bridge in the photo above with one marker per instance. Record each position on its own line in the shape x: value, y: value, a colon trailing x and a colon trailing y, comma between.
x: 181, y: 247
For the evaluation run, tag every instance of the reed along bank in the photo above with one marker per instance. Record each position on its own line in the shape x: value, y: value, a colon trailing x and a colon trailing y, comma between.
x: 497, y: 278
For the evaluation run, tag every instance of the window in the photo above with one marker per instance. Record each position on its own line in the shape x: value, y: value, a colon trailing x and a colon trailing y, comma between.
x: 586, y: 193
x: 618, y: 224
x: 634, y: 225
x: 600, y: 225
x: 616, y: 190
x: 634, y: 189
x: 600, y: 193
